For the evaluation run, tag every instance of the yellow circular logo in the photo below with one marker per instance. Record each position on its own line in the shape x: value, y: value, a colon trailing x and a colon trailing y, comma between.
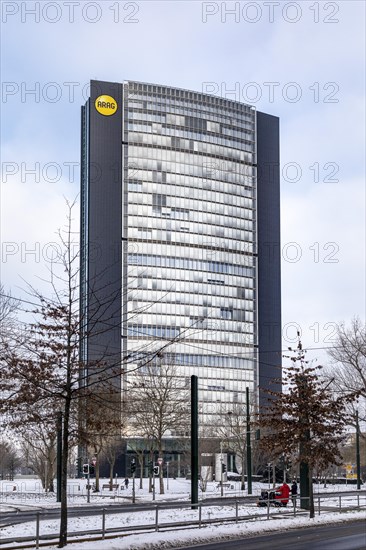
x: 106, y: 105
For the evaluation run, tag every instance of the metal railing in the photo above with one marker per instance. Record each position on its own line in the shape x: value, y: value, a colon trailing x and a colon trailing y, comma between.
x: 203, y: 513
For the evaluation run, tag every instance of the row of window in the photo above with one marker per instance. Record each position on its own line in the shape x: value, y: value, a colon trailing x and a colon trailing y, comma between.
x: 192, y: 335
x: 205, y: 163
x: 217, y: 170
x: 204, y: 169
x: 215, y: 250
x: 244, y: 297
x: 198, y: 188
x: 216, y: 311
x: 138, y: 331
x: 206, y: 212
x: 186, y: 197
x: 192, y: 231
x: 236, y: 117
x: 229, y: 137
x: 199, y: 360
x: 186, y: 263
x: 219, y: 147
x: 206, y: 242
x: 175, y: 289
x: 155, y: 331
x: 212, y: 203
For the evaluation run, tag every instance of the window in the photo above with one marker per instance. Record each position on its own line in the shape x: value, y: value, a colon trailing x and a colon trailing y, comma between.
x: 226, y: 313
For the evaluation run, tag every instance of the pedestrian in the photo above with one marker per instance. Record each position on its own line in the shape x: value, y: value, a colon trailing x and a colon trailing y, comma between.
x: 282, y: 494
x: 294, y: 491
x: 126, y: 482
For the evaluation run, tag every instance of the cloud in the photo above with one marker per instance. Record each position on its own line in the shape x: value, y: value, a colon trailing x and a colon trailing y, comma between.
x: 170, y: 44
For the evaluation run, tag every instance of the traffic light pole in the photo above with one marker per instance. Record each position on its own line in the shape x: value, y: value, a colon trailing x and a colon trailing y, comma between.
x: 249, y: 448
x: 133, y: 488
x: 194, y: 441
x: 88, y: 486
x: 153, y: 484
x: 358, y: 461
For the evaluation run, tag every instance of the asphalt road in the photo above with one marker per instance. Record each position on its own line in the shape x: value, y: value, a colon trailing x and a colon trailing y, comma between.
x: 348, y: 536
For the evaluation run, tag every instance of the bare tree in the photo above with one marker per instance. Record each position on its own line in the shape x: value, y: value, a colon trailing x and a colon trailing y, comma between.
x: 39, y: 448
x: 160, y: 404
x: 139, y: 447
x: 9, y: 460
x: 111, y: 448
x: 106, y: 424
x: 45, y: 369
x: 8, y: 308
x: 348, y: 370
x: 232, y: 431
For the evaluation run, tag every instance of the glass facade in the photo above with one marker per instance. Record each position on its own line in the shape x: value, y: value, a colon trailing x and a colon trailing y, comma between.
x: 189, y: 238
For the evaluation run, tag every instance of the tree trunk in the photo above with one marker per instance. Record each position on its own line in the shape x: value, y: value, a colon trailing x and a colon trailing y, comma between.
x: 141, y: 462
x: 311, y: 493
x: 111, y: 468
x: 64, y: 460
x: 51, y: 487
x: 97, y: 475
x: 161, y: 479
x: 243, y: 472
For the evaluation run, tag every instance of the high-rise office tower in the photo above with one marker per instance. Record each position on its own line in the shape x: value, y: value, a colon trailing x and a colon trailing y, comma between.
x: 180, y: 238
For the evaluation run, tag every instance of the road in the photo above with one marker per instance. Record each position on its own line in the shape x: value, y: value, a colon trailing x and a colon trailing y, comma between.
x: 348, y: 536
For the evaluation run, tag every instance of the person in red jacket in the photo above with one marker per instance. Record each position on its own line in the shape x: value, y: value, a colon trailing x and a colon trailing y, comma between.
x: 282, y: 494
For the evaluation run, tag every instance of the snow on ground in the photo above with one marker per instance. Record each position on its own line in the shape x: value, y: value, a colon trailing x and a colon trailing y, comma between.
x: 28, y: 495
x: 222, y: 532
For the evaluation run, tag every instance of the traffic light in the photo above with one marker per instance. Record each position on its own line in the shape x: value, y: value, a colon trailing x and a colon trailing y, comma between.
x: 156, y: 470
x: 151, y: 465
x: 91, y: 469
x: 86, y: 469
x: 223, y: 466
x: 133, y: 466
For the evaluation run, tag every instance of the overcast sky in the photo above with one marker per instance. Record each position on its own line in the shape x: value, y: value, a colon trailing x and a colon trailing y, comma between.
x: 301, y: 61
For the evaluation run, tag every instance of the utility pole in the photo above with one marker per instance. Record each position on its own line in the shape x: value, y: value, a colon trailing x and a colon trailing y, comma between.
x: 194, y: 441
x: 358, y: 461
x: 249, y: 448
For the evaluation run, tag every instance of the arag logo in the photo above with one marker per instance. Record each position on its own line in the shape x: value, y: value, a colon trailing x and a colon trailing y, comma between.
x: 106, y: 105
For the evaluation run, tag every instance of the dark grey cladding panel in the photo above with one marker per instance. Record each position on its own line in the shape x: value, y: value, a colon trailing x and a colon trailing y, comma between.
x: 269, y: 253
x: 105, y: 224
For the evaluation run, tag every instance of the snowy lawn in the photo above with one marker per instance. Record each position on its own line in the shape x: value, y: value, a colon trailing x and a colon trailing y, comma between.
x: 28, y: 495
